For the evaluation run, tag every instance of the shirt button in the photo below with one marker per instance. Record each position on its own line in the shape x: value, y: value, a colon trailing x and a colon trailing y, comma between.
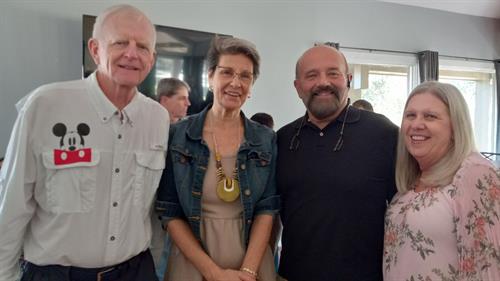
x: 117, y: 170
x: 321, y: 134
x: 243, y: 167
x: 247, y: 192
x: 249, y: 221
x: 104, y: 118
x: 119, y: 136
x: 115, y: 204
x: 112, y: 238
x: 116, y: 112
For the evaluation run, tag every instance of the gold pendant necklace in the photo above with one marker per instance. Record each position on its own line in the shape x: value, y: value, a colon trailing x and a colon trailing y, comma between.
x: 228, y: 189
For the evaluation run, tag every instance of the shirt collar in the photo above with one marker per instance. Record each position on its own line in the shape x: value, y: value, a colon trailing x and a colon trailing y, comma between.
x: 131, y: 111
x: 105, y: 108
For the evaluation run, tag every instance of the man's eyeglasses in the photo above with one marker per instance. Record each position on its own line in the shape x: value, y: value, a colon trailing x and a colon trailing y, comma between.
x: 228, y: 73
x: 295, y: 141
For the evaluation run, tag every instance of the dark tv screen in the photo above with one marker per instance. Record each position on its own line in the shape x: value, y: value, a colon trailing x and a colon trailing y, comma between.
x: 181, y: 53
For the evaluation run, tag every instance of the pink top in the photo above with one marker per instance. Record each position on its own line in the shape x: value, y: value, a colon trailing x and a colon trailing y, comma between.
x: 448, y: 233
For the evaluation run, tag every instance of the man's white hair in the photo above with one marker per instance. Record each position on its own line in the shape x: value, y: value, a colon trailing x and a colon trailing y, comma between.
x: 106, y: 14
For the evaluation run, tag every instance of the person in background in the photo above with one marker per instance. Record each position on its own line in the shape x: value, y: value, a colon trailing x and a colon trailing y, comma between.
x: 264, y: 119
x: 218, y: 194
x: 173, y: 94
x: 444, y: 223
x: 363, y: 104
x: 83, y: 163
x: 335, y: 175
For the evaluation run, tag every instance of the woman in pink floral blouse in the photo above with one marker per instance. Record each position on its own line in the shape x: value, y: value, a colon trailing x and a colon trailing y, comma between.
x: 444, y: 224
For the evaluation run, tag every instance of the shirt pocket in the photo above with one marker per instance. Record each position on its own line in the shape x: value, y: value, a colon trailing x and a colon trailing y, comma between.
x: 150, y: 165
x: 70, y: 188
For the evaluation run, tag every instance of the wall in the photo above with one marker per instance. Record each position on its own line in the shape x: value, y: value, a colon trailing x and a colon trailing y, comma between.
x: 41, y: 41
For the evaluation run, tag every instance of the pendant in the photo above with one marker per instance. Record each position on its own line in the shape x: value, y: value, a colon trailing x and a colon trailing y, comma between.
x: 228, y: 189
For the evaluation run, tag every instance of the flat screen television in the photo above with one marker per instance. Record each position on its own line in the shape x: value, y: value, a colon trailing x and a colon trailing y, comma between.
x: 181, y: 53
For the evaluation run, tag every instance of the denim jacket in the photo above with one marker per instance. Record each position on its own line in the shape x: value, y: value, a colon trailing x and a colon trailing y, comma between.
x: 180, y: 191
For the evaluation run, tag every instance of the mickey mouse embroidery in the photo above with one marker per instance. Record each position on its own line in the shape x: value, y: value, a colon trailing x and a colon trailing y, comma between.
x: 72, y: 145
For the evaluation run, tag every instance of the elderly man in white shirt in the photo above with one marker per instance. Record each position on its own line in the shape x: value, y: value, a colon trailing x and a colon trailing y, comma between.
x: 83, y: 164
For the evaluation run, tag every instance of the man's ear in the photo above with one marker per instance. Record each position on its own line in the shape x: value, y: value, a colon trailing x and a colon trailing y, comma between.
x: 163, y: 100
x: 296, y: 84
x: 93, y: 46
x: 153, y: 61
x: 349, y: 80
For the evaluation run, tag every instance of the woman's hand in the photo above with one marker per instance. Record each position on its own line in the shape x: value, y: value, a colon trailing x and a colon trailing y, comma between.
x: 245, y: 276
x: 231, y: 275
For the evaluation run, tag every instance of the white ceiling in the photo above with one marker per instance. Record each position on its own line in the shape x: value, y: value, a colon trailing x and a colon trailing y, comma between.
x: 482, y: 8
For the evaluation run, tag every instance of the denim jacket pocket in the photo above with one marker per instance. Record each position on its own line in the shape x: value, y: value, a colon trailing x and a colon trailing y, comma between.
x: 259, y: 169
x: 70, y: 184
x: 182, y: 161
x: 150, y: 165
x: 261, y: 158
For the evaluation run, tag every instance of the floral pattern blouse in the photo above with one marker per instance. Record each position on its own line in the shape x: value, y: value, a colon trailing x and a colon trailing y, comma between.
x: 448, y: 233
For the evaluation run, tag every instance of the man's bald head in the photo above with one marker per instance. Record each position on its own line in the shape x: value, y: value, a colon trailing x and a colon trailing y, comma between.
x: 299, y: 61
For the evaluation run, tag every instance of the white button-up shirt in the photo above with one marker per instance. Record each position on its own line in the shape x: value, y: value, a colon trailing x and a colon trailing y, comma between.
x: 79, y: 178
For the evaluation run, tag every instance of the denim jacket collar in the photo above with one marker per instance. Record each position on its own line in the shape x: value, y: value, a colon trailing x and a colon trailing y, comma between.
x: 195, y: 129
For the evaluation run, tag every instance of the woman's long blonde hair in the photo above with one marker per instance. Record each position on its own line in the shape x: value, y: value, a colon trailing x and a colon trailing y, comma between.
x: 462, y: 142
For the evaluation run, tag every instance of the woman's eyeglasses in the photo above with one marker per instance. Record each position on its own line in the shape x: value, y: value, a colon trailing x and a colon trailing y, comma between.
x: 228, y: 73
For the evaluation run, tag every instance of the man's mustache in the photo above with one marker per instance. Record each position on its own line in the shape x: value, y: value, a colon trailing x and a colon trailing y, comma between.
x: 326, y: 88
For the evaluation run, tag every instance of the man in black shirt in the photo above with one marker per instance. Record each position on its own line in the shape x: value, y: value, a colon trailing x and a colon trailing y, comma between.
x: 336, y: 174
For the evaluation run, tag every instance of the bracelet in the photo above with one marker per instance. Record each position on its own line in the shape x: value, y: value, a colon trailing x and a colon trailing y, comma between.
x: 249, y: 271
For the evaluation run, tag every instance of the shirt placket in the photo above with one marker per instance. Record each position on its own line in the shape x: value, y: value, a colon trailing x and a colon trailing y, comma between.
x: 117, y: 172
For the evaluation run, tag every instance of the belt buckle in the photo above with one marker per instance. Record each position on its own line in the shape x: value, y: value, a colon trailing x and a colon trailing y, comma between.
x: 101, y: 273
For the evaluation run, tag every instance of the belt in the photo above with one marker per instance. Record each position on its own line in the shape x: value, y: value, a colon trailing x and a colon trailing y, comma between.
x: 108, y: 273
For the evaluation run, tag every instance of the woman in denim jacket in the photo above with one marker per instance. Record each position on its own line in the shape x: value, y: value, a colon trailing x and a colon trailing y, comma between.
x: 217, y: 195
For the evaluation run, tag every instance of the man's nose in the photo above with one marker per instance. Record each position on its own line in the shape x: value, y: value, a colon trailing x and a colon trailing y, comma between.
x: 323, y: 79
x: 131, y: 51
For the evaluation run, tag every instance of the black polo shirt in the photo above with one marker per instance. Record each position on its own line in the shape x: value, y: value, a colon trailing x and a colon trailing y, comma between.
x: 333, y: 202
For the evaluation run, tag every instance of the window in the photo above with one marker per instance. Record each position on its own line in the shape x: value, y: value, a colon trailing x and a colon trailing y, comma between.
x: 476, y: 82
x: 384, y: 80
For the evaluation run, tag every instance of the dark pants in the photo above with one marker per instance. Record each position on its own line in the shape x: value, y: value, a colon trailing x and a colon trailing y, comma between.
x: 138, y: 268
